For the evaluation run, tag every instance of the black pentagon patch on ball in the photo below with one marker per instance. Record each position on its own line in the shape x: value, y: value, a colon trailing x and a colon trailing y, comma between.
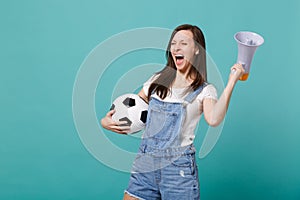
x: 126, y: 120
x: 129, y: 102
x: 144, y: 116
x: 112, y: 107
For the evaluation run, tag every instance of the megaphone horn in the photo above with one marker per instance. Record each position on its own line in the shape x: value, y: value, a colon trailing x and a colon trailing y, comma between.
x: 247, y: 44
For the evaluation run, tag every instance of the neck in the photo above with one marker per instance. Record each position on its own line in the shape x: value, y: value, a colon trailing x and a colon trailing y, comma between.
x: 181, y: 76
x: 181, y: 80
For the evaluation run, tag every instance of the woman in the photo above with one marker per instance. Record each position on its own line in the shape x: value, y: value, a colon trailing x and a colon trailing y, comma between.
x: 165, y: 166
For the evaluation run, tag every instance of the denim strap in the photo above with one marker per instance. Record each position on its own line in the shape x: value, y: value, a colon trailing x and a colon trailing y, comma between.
x: 191, y: 96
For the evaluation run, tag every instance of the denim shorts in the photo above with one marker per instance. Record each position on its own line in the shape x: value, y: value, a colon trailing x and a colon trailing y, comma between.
x: 178, y: 180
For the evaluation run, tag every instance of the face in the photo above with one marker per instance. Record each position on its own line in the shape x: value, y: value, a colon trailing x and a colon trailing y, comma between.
x: 183, y: 49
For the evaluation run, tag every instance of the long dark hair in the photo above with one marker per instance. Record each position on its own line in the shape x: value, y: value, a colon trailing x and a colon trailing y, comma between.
x: 197, y: 72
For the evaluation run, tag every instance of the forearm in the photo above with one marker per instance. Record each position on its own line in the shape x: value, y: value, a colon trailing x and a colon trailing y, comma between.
x: 219, y: 109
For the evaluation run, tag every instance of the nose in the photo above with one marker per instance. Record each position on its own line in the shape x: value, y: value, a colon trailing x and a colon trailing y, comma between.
x: 176, y: 47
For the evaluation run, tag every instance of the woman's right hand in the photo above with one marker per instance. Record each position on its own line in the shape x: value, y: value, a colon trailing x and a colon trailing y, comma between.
x: 108, y: 123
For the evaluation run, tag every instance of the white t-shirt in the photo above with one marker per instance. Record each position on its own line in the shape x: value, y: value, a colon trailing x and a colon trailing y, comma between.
x: 193, y: 110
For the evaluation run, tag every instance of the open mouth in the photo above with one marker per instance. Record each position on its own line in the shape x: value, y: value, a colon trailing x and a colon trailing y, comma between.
x: 179, y: 59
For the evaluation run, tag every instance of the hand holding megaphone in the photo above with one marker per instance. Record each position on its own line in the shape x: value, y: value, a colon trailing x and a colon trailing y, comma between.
x: 237, y: 71
x: 247, y: 45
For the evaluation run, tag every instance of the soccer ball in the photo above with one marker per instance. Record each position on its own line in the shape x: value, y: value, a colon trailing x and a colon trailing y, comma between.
x: 132, y: 109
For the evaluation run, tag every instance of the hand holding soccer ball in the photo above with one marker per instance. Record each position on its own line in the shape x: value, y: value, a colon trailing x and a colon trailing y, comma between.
x: 128, y: 115
x: 118, y: 127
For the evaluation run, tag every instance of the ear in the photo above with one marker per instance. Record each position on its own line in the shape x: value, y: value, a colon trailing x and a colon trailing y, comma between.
x: 196, y: 50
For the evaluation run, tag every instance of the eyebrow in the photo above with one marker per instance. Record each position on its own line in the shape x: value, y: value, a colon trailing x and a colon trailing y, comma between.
x: 179, y: 41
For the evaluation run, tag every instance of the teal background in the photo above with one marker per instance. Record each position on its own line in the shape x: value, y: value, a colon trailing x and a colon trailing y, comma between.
x: 42, y: 46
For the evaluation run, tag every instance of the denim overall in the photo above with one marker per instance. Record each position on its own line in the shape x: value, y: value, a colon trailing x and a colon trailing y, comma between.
x: 163, y: 169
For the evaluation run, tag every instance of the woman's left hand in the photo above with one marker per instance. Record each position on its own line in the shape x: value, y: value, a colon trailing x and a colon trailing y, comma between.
x: 236, y: 72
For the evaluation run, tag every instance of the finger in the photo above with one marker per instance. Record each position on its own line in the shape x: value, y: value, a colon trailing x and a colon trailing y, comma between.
x: 240, y: 67
x: 232, y: 70
x: 110, y: 113
x: 120, y: 132
x: 237, y: 67
x: 124, y: 128
x: 120, y: 128
x: 121, y: 123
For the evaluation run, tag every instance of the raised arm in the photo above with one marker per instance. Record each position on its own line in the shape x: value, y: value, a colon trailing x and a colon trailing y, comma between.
x: 215, y: 111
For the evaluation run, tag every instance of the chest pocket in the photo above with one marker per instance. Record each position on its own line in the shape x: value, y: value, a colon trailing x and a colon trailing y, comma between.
x: 162, y: 124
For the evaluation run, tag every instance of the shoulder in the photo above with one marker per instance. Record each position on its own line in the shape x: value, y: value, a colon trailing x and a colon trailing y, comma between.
x: 152, y: 78
x: 209, y: 91
x: 147, y: 84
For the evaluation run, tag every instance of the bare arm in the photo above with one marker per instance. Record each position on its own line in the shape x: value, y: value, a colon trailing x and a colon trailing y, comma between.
x: 215, y: 111
x: 143, y: 95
